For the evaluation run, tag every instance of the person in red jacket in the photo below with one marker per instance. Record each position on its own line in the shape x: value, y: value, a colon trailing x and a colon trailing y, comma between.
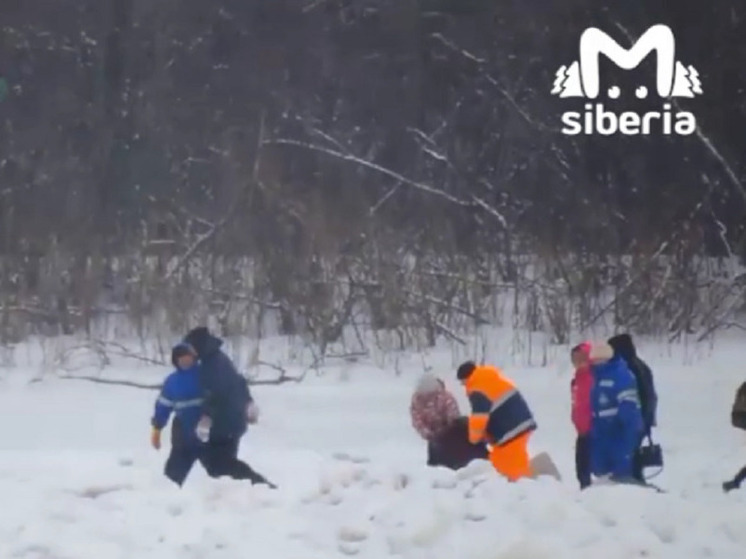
x: 582, y: 414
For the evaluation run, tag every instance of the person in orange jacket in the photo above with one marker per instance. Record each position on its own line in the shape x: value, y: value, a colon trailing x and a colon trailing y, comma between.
x: 499, y: 417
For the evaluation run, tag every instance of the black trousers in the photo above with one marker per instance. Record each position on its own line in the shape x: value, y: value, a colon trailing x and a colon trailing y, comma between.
x: 637, y: 469
x: 452, y: 448
x: 219, y: 457
x: 583, y: 460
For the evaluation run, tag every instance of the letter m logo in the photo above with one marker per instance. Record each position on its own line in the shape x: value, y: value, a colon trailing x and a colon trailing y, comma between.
x: 581, y: 78
x: 658, y: 39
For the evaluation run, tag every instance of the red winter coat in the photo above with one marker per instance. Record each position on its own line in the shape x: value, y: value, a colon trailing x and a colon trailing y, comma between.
x: 581, y: 387
x: 432, y: 408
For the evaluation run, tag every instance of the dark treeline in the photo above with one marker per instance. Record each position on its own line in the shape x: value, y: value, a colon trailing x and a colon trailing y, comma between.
x: 394, y: 164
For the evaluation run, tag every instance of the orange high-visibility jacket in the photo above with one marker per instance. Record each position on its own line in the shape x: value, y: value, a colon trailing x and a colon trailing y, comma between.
x: 498, y: 411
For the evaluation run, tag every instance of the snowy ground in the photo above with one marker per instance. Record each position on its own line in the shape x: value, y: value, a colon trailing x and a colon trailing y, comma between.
x: 78, y: 479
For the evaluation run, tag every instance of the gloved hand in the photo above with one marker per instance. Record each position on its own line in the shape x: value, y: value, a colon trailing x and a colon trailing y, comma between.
x: 203, y: 429
x: 155, y: 438
x: 252, y: 413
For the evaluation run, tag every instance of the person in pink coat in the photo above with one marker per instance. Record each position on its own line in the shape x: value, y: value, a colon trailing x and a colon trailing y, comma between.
x: 582, y: 414
x: 436, y: 418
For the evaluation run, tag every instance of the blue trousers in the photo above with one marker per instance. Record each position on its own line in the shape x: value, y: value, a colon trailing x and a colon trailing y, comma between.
x: 613, y: 453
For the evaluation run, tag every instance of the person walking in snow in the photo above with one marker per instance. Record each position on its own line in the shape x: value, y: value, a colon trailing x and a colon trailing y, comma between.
x: 622, y: 345
x: 227, y: 409
x: 436, y: 418
x: 182, y: 394
x: 738, y: 420
x: 500, y: 418
x: 580, y: 388
x: 617, y: 422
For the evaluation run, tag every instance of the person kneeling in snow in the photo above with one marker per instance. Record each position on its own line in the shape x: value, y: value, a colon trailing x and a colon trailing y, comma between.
x: 617, y: 417
x: 501, y: 418
x: 435, y: 416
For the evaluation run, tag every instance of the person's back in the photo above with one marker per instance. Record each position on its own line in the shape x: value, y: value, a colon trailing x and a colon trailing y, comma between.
x: 432, y: 408
x: 623, y: 345
x: 500, y: 417
x: 227, y: 395
x: 499, y: 411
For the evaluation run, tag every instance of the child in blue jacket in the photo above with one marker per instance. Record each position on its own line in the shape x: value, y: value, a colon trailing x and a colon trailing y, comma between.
x: 181, y: 394
x: 617, y: 417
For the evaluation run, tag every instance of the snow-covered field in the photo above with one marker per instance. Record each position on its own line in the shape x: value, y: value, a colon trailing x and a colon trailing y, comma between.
x: 78, y: 479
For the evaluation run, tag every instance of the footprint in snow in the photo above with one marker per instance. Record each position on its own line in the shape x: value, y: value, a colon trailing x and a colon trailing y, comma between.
x: 352, y: 534
x: 347, y: 548
x: 35, y: 552
x: 175, y: 510
x: 344, y: 457
x: 96, y: 492
x: 474, y: 516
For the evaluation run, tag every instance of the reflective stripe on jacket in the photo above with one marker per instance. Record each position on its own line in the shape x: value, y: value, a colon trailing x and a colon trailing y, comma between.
x: 499, y: 412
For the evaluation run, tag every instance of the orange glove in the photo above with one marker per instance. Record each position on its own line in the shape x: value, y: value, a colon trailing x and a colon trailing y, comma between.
x: 155, y: 438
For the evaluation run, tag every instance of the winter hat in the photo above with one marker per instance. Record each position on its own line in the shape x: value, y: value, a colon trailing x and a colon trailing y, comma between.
x: 197, y: 338
x: 427, y: 384
x: 623, y: 345
x: 600, y: 352
x: 582, y: 347
x: 465, y: 370
x: 179, y: 350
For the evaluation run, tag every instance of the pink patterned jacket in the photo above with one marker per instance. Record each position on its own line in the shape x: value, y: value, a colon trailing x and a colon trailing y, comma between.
x: 432, y: 408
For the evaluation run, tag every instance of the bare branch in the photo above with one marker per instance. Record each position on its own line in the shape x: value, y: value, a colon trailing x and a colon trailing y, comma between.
x: 370, y: 165
x: 493, y: 81
x: 113, y: 382
x: 702, y: 136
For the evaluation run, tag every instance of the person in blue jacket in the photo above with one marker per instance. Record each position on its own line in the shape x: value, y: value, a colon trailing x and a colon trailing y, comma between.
x: 617, y: 422
x: 182, y: 395
x: 227, y: 408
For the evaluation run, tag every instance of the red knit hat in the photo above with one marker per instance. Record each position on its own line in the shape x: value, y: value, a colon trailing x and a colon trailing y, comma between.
x: 584, y: 348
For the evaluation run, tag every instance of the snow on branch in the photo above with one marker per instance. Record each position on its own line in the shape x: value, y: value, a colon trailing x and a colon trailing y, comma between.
x: 702, y: 137
x: 282, y: 379
x: 370, y: 165
x: 480, y: 62
x: 234, y: 209
x: 114, y: 382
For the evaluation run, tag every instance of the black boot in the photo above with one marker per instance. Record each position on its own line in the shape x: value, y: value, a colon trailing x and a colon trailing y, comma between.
x: 736, y: 482
x: 730, y: 485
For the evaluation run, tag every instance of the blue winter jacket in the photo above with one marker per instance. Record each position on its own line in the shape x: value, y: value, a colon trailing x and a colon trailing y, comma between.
x: 227, y: 394
x: 617, y: 419
x: 182, y: 394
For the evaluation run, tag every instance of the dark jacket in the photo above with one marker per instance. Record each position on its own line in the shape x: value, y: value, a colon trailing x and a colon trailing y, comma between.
x: 451, y: 447
x: 622, y: 345
x: 226, y: 392
x: 181, y: 394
